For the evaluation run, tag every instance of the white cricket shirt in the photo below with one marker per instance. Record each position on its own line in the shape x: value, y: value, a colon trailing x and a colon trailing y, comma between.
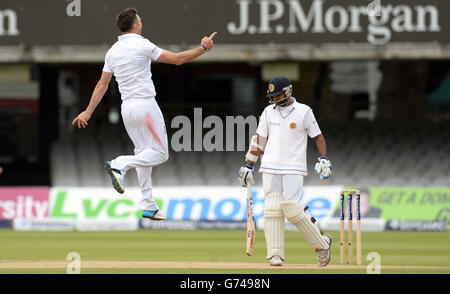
x: 287, y: 130
x: 130, y: 60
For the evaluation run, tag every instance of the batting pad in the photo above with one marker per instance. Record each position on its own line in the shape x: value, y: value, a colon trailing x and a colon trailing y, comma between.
x: 274, y: 225
x: 297, y: 216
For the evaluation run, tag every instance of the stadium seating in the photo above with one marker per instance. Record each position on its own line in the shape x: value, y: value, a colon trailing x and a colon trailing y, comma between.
x: 363, y: 154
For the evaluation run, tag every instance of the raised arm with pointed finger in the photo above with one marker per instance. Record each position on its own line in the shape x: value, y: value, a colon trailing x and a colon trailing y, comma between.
x: 186, y: 56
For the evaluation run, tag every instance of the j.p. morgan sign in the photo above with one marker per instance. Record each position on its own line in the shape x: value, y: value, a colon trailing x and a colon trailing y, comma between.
x: 377, y: 19
x: 251, y: 22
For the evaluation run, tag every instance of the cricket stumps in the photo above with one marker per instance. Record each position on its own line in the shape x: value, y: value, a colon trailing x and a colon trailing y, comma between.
x: 350, y: 227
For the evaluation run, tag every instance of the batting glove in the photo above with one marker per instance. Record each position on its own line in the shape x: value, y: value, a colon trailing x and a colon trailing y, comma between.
x: 323, y: 167
x: 246, y: 174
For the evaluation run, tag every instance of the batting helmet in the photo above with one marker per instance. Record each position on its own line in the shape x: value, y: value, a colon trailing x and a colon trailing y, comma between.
x: 279, y: 85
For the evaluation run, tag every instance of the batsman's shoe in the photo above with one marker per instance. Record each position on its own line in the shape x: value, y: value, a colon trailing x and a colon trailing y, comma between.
x: 276, y: 261
x: 155, y: 215
x: 116, y: 177
x: 325, y: 254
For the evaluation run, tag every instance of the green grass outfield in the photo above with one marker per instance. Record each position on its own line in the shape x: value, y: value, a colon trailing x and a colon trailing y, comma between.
x: 211, y: 252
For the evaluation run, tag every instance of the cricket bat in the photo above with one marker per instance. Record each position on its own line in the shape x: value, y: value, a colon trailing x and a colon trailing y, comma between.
x: 250, y: 222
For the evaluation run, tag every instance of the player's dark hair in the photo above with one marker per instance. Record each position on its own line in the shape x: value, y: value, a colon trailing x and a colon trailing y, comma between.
x: 126, y: 19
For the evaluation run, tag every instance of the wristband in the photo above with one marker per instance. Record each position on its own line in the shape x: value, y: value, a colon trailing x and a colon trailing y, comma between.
x: 248, y: 165
x: 204, y: 47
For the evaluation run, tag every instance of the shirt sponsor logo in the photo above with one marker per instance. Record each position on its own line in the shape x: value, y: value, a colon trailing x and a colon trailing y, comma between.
x: 293, y: 126
x: 273, y: 123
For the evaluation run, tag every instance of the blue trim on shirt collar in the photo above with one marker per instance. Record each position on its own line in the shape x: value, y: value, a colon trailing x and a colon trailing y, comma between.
x: 283, y: 117
x: 293, y: 108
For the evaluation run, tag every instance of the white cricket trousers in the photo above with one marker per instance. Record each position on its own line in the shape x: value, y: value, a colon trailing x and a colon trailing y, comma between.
x: 289, y: 186
x: 150, y: 144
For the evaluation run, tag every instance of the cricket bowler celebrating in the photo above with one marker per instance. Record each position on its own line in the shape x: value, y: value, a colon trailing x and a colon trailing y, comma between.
x: 283, y: 131
x: 129, y: 59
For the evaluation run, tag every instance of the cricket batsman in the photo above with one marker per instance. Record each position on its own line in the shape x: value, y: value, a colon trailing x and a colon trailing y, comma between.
x: 129, y: 60
x: 282, y: 133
